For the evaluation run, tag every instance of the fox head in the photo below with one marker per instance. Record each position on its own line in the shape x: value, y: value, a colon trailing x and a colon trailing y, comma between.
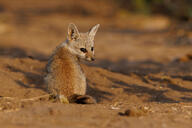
x: 82, y: 44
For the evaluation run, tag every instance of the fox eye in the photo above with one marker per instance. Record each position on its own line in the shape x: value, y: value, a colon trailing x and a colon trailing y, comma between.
x: 92, y: 48
x: 83, y: 50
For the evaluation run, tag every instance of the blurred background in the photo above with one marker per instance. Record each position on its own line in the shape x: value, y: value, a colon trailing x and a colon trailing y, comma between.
x: 36, y: 27
x: 181, y: 10
x: 178, y: 9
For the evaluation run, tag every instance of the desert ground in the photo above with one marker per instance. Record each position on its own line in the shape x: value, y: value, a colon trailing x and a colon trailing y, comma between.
x: 142, y: 76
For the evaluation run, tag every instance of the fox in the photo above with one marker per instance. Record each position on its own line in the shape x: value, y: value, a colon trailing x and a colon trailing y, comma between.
x: 65, y: 79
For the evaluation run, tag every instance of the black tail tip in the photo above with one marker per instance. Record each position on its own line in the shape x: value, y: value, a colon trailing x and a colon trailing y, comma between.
x: 85, y: 99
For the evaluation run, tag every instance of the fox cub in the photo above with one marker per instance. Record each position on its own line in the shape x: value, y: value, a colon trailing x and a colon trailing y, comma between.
x: 65, y: 79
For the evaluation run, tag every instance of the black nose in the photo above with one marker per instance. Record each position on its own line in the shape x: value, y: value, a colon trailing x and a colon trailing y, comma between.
x: 92, y: 59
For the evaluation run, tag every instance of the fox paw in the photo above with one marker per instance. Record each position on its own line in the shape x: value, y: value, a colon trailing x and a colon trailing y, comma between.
x: 85, y: 99
x: 63, y: 99
x: 59, y: 98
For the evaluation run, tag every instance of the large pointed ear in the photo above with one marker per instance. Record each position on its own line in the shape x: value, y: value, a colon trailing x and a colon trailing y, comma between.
x: 73, y: 32
x: 93, y: 31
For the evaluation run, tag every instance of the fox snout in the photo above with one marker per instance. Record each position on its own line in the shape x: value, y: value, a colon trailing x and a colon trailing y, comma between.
x: 90, y: 57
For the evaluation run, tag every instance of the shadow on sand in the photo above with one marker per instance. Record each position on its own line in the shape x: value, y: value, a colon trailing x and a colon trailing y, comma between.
x: 145, y: 71
x: 16, y: 52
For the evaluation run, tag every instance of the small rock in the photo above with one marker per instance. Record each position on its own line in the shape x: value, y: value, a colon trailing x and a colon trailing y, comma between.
x: 133, y: 112
x: 185, y: 58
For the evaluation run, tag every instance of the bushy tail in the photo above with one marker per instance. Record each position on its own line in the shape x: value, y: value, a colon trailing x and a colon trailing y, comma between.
x: 82, y: 99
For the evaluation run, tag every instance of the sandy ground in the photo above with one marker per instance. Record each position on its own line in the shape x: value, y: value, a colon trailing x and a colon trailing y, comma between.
x: 141, y: 78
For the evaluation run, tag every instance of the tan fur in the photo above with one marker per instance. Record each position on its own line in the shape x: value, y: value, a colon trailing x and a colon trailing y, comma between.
x: 64, y: 74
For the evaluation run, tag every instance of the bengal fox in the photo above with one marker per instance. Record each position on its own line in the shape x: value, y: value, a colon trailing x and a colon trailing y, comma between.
x: 65, y: 79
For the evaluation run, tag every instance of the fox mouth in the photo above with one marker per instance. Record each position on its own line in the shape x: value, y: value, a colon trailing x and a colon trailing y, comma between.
x: 90, y: 59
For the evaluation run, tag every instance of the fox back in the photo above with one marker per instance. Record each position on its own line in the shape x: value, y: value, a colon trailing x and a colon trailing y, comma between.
x: 64, y: 74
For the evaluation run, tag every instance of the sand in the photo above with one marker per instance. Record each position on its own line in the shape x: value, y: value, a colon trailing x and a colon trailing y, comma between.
x: 140, y: 78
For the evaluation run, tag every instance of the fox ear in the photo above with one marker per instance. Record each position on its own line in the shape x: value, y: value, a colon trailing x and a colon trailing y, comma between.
x: 73, y: 32
x: 93, y: 31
